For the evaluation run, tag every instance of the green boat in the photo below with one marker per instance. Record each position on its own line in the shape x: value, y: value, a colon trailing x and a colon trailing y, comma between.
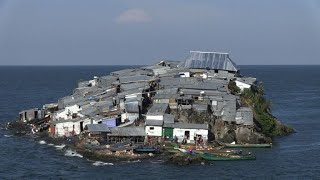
x: 248, y: 145
x: 212, y: 157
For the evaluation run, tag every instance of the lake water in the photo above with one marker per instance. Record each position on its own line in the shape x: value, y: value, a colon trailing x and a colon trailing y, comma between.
x: 295, y: 95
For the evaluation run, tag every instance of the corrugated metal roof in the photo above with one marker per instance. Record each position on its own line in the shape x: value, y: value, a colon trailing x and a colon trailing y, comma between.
x: 97, y: 128
x: 165, y: 96
x: 106, y: 81
x: 158, y: 109
x: 186, y: 125
x: 132, y: 106
x: 127, y: 131
x: 137, y: 78
x: 168, y: 91
x: 204, y: 92
x: 211, y: 60
x: 168, y: 118
x: 150, y: 122
x: 137, y: 85
x: 89, y: 111
x: 200, y: 107
x: 131, y: 72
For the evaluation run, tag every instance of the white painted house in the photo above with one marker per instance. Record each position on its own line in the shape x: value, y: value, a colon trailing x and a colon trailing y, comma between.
x: 157, y: 111
x: 155, y: 117
x: 67, y: 112
x: 69, y: 127
x: 188, y: 130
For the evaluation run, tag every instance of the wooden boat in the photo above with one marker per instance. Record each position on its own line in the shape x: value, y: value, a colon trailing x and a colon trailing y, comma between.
x: 212, y: 157
x: 248, y: 145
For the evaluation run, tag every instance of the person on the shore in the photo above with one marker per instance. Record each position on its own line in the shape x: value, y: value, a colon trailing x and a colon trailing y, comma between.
x: 190, y: 150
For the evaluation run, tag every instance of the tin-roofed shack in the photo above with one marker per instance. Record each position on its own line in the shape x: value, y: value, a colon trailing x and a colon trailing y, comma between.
x: 122, y: 134
x: 209, y: 60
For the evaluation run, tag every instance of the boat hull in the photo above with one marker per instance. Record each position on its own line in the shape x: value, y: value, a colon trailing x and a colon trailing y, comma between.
x: 211, y: 157
x: 248, y: 145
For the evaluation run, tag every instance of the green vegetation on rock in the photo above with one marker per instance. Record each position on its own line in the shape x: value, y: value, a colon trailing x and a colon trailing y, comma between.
x: 265, y: 121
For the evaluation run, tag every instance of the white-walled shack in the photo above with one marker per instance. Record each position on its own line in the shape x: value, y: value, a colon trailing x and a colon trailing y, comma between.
x: 188, y: 130
x: 154, y: 127
x: 153, y: 130
x: 69, y: 127
x: 157, y: 111
x: 67, y: 112
x: 244, y: 116
x: 155, y: 118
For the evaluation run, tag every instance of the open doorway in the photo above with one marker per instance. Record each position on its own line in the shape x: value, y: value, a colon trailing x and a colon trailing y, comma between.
x: 81, y: 126
x: 35, y: 114
x: 187, y: 134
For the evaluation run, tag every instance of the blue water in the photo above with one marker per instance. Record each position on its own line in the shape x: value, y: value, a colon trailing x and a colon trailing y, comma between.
x: 295, y: 95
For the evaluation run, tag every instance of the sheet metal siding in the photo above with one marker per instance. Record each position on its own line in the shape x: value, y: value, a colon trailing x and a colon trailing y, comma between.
x: 112, y: 122
x: 127, y: 131
x: 98, y: 128
x: 211, y: 60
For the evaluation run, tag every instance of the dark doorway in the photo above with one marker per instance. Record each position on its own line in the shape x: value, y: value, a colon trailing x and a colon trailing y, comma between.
x: 187, y: 134
x: 36, y: 115
x: 81, y: 126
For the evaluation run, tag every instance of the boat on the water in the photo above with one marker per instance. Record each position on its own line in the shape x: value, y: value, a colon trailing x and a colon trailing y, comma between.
x: 231, y: 145
x: 213, y: 157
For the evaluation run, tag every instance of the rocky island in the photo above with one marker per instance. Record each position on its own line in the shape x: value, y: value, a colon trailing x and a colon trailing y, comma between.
x: 198, y: 104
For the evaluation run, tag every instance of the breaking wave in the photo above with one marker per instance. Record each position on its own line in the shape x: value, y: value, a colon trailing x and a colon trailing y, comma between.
x: 60, y: 147
x: 42, y: 142
x: 8, y: 135
x: 159, y: 161
x: 72, y: 154
x: 100, y: 163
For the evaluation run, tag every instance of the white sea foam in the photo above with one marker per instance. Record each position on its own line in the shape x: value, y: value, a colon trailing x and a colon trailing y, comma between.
x: 72, y: 154
x: 42, y: 142
x: 8, y: 135
x: 50, y: 144
x: 60, y: 147
x: 159, y: 161
x: 99, y: 163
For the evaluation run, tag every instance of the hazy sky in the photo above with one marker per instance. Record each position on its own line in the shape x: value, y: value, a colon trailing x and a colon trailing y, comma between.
x: 119, y: 32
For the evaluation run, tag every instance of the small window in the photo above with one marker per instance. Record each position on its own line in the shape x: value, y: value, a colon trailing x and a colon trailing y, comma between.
x: 151, y: 128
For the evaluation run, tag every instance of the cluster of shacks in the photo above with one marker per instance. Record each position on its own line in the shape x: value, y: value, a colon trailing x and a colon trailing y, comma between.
x: 140, y: 102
